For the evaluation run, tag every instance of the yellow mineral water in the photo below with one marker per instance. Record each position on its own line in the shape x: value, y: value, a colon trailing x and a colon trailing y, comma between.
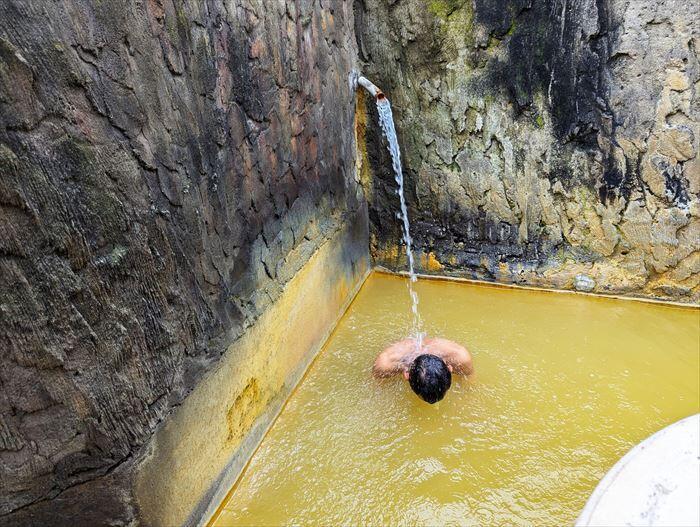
x: 565, y: 384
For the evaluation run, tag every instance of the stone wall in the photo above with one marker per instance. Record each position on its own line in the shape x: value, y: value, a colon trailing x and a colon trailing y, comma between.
x: 541, y: 140
x: 166, y: 168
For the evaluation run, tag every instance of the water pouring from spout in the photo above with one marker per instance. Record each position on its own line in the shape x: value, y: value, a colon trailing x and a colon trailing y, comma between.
x: 386, y: 121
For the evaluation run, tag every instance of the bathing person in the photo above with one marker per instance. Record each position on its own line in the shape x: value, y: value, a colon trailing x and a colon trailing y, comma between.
x: 429, y: 369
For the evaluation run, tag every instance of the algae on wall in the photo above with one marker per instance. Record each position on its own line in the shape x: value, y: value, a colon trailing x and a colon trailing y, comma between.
x: 541, y: 140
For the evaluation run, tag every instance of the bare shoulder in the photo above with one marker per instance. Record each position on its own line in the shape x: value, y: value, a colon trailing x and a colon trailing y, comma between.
x: 387, y: 362
x: 455, y: 354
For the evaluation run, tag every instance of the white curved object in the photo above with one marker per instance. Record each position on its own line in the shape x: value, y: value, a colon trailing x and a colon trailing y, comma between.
x: 369, y: 86
x: 657, y: 483
x: 358, y: 80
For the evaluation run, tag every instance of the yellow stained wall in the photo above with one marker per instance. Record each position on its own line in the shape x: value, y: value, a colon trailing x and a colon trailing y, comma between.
x: 199, y: 452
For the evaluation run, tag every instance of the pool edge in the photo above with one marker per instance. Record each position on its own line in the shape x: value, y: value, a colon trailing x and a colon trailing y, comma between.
x: 502, y: 285
x: 198, y: 452
x: 212, y: 514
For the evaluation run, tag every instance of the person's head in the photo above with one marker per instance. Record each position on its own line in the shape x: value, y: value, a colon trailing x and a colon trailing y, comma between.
x: 430, y: 377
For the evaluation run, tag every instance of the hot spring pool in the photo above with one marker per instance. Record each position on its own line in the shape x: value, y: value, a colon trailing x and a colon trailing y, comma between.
x: 564, y: 385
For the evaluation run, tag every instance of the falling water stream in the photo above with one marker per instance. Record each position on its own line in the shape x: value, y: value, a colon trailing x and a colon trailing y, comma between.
x: 386, y: 120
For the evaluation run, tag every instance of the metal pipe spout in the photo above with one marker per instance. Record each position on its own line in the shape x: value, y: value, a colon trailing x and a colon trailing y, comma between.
x: 358, y: 80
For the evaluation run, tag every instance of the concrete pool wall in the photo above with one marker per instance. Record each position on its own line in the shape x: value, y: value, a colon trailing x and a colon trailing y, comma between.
x: 198, y: 454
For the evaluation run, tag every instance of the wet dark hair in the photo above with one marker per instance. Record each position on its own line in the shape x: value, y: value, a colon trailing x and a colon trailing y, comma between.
x: 429, y: 377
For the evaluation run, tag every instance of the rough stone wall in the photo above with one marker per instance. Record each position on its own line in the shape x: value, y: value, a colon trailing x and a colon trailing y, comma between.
x: 166, y: 166
x: 541, y: 140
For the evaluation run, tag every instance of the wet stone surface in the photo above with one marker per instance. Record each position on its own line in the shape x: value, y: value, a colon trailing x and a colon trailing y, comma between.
x: 540, y: 140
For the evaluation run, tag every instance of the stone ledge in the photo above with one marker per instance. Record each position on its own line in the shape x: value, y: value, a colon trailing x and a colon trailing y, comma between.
x: 540, y: 289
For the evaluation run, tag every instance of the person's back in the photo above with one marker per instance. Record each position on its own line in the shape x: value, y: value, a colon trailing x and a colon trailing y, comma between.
x: 428, y: 369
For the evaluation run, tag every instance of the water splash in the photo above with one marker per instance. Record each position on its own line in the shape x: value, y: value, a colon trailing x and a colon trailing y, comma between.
x: 386, y: 121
